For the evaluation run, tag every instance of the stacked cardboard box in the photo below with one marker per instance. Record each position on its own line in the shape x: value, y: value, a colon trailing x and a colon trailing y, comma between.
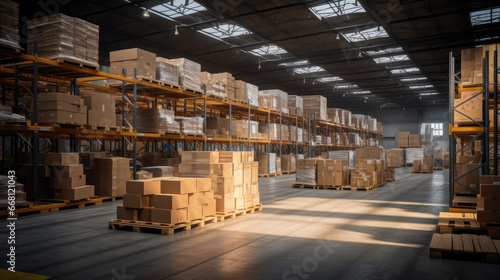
x: 334, y: 115
x: 218, y: 127
x: 348, y: 157
x: 234, y: 177
x: 159, y: 171
x: 247, y: 92
x: 111, y: 175
x: 156, y: 159
x: 192, y: 126
x: 167, y: 72
x: 330, y: 172
x: 19, y: 194
x: 446, y: 160
x: 347, y: 117
x: 472, y: 109
x: 394, y: 157
x: 67, y: 178
x: 439, y: 158
x: 156, y: 121
x: 467, y: 167
x: 228, y: 81
x: 412, y: 154
x: 415, y: 141
x: 61, y: 108
x: 288, y: 163
x: 142, y: 61
x: 295, y: 105
x: 278, y: 165
x: 101, y: 107
x: 7, y: 115
x: 189, y: 73
x: 267, y: 163
x: 285, y: 133
x: 306, y: 171
x: 390, y: 173
x: 274, y: 99
x: 367, y: 173
x: 239, y: 129
x: 472, y: 65
x: 488, y: 200
x: 416, y: 166
x: 428, y: 164
x: 270, y: 129
x: 9, y: 25
x: 62, y: 37
x: 380, y: 127
x: 315, y: 105
x: 212, y: 87
x: 403, y: 139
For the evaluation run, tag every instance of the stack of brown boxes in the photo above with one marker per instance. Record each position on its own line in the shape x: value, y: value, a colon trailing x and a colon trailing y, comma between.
x: 394, y: 157
x: 159, y: 171
x: 288, y: 163
x: 239, y: 129
x: 111, y: 175
x: 330, y: 173
x: 101, y: 108
x: 213, y: 88
x: 316, y: 105
x: 270, y: 130
x: 142, y: 61
x: 167, y: 72
x: 295, y: 105
x: 488, y: 201
x: 380, y: 127
x: 468, y: 167
x: 5, y: 191
x: 390, y: 173
x: 234, y: 177
x: 334, y: 115
x: 428, y: 164
x: 368, y: 173
x: 276, y: 100
x: 67, y: 178
x: 156, y: 121
x: 228, y: 81
x: 218, y: 127
x: 306, y: 171
x: 403, y: 139
x: 446, y: 160
x: 415, y: 141
x: 88, y: 162
x: 416, y: 166
x: 9, y: 12
x: 61, y: 108
x: 472, y: 65
x: 246, y: 92
x: 267, y: 163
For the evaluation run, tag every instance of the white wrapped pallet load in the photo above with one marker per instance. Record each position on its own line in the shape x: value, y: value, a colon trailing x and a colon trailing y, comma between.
x: 253, y: 95
x: 413, y: 154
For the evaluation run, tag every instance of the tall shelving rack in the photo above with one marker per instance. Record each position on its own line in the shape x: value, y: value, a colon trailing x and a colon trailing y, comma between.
x: 31, y: 73
x: 486, y: 131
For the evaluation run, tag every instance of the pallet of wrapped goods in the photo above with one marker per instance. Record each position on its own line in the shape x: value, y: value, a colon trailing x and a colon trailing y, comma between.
x: 65, y: 39
x: 160, y: 171
x: 315, y: 105
x: 427, y: 164
x: 403, y: 139
x: 472, y: 64
x: 267, y: 164
x: 278, y: 165
x: 166, y: 72
x: 394, y: 157
x: 347, y: 117
x: 156, y: 121
x: 295, y: 105
x: 190, y: 125
x: 9, y: 25
x: 7, y: 116
x: 277, y: 99
x: 189, y: 73
x: 412, y: 154
x: 61, y: 108
x: 288, y: 163
x: 142, y: 61
x: 348, y: 157
x: 372, y: 124
x: 380, y: 127
x: 270, y: 129
x: 239, y: 129
x: 354, y: 139
x: 330, y: 173
x: 245, y: 92
x: 306, y: 172
x: 228, y: 81
x: 334, y: 115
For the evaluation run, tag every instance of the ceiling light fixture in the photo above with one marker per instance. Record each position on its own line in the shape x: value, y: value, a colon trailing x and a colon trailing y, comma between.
x: 259, y: 63
x: 359, y: 55
x: 176, y: 31
x: 338, y: 36
x: 146, y: 13
x: 304, y: 80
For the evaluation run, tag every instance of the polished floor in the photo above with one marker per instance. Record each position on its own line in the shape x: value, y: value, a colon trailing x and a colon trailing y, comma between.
x: 301, y: 234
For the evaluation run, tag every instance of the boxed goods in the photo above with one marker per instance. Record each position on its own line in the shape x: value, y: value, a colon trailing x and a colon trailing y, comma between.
x: 403, y: 139
x: 61, y: 108
x: 9, y: 26
x: 267, y: 163
x: 394, y: 157
x: 271, y: 130
x: 330, y: 172
x: 253, y: 95
x: 306, y: 171
x: 413, y: 154
x: 159, y: 171
x: 415, y: 141
x: 239, y: 129
x: 142, y: 61
x: 19, y: 194
x: 156, y: 121
x: 63, y: 37
x: 380, y: 127
x: 101, y: 107
x: 315, y: 105
x: 467, y: 112
x: 191, y: 126
x: 334, y: 115
x: 295, y: 105
x: 370, y: 153
x: 416, y: 166
x: 111, y: 175
x: 348, y: 157
x: 189, y: 73
x: 228, y: 81
x: 472, y: 65
x: 288, y: 163
x: 469, y: 182
x: 275, y: 99
x: 488, y: 208
x: 167, y: 72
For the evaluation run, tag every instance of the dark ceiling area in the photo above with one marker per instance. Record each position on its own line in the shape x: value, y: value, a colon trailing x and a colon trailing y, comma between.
x: 361, y: 55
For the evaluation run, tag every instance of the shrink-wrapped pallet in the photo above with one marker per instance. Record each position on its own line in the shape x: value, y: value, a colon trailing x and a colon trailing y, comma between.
x: 193, y: 125
x: 270, y: 129
x: 306, y: 172
x: 156, y: 121
x: 315, y: 105
x: 394, y: 157
x: 267, y: 163
x: 9, y: 25
x: 189, y: 73
x: 167, y: 72
x: 277, y: 100
x: 413, y: 154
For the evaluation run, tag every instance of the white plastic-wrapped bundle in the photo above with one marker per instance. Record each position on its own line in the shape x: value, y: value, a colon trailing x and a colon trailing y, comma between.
x: 427, y: 132
x: 253, y: 95
x: 346, y: 156
x: 300, y: 135
x: 354, y: 139
x: 189, y: 73
x: 193, y: 125
x: 305, y: 175
x: 277, y: 99
x: 160, y: 171
x: 347, y: 117
x: 9, y: 24
x: 271, y: 129
x: 373, y: 124
x: 167, y: 72
x: 299, y: 156
x: 267, y: 163
x: 316, y: 105
x: 295, y: 101
x: 413, y: 154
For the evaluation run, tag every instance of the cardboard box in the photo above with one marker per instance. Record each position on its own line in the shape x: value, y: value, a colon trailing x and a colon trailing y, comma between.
x: 144, y: 187
x: 131, y: 54
x: 170, y: 201
x: 168, y: 216
x: 203, y: 184
x: 176, y: 185
x: 57, y: 182
x: 67, y: 171
x: 144, y: 214
x: 224, y: 185
x: 230, y: 157
x: 195, y: 199
x: 415, y: 141
x: 489, y: 190
x: 123, y: 213
x: 60, y: 159
x: 208, y: 209
x: 199, y: 157
x: 403, y: 139
x: 136, y: 201
x: 472, y: 109
x: 77, y: 193
x: 219, y: 169
x: 239, y: 191
x: 62, y: 117
x: 488, y: 203
x: 225, y: 202
x: 195, y: 212
x: 255, y: 172
x: 59, y: 97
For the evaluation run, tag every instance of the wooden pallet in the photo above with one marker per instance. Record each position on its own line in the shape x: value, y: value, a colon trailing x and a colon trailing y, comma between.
x: 329, y: 187
x: 303, y: 186
x: 77, y: 63
x: 288, y: 172
x: 24, y: 123
x: 349, y: 188
x: 221, y: 216
x: 270, y: 175
x: 27, y: 204
x: 61, y: 125
x: 111, y: 198
x: 391, y: 180
x: 53, y: 205
x: 163, y: 229
x: 465, y: 201
x: 191, y: 90
x: 100, y: 127
x: 465, y: 247
x: 457, y: 222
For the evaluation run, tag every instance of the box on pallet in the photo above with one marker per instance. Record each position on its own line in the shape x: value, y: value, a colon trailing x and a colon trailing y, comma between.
x: 315, y: 105
x: 142, y: 61
x: 189, y: 73
x: 166, y: 72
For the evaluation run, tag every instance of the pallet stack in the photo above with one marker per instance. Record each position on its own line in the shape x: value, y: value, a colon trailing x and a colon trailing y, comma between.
x: 19, y: 194
x: 61, y: 108
x: 101, y: 108
x: 488, y: 201
x: 111, y: 175
x: 156, y: 121
x: 9, y: 25
x: 166, y: 72
x: 142, y: 61
x: 229, y: 83
x: 267, y: 164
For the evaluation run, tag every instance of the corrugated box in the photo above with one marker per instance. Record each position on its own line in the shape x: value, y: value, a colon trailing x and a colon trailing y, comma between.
x: 315, y: 105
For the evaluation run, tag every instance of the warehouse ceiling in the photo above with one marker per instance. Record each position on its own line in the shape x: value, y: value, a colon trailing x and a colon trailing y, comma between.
x: 361, y: 55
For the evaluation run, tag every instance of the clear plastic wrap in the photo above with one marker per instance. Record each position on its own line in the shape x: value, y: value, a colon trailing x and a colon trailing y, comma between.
x: 167, y: 72
x: 413, y: 154
x: 189, y: 73
x: 347, y: 117
x: 348, y: 157
x: 253, y: 95
x: 315, y: 105
x: 288, y: 163
x: 276, y: 99
x: 267, y: 163
x: 9, y: 24
x: 160, y: 171
x: 156, y: 121
x: 193, y: 125
x: 300, y: 135
x: 270, y: 129
x: 305, y: 175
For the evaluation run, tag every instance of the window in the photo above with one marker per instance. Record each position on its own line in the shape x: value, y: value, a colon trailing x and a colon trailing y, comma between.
x: 306, y: 70
x: 295, y: 63
x: 337, y: 8
x: 367, y: 34
x: 485, y: 16
x: 178, y: 8
x: 268, y: 51
x: 437, y: 128
x: 225, y: 31
x: 329, y: 79
x: 390, y: 59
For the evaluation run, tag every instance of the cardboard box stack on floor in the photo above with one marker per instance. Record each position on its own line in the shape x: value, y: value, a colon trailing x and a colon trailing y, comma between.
x: 467, y: 167
x: 159, y: 171
x: 472, y: 109
x: 306, y: 171
x: 416, y: 166
x: 415, y: 141
x: 167, y: 72
x: 288, y: 163
x: 142, y: 61
x: 428, y: 164
x: 413, y: 154
x: 403, y: 139
x: 390, y: 173
x: 61, y: 108
x: 315, y: 105
x: 100, y: 106
x: 63, y: 37
x: 330, y: 172
x: 234, y: 177
x: 228, y: 81
x: 156, y: 121
x: 267, y: 163
x: 67, y: 179
x: 111, y: 175
x: 368, y: 173
x: 6, y: 190
x: 488, y: 206
x: 394, y: 157
x: 9, y: 26
x: 295, y: 105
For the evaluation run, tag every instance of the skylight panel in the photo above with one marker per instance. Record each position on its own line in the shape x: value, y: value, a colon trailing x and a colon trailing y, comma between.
x: 486, y: 16
x: 367, y: 34
x: 268, y: 50
x: 390, y: 59
x: 329, y: 79
x: 405, y: 70
x: 225, y: 31
x: 486, y: 39
x: 307, y: 70
x: 361, y: 92
x: 413, y: 79
x: 295, y: 63
x: 428, y: 93
x: 178, y: 8
x: 384, y: 51
x: 345, y: 86
x: 421, y: 87
x: 337, y: 8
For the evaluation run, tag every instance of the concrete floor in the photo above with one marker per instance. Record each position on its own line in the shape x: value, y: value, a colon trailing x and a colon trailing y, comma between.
x: 301, y: 234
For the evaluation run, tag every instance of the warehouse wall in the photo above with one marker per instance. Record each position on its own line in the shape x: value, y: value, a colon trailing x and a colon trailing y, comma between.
x: 410, y: 119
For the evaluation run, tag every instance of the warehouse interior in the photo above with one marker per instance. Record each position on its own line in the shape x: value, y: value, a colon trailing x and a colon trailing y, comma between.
x: 230, y: 139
